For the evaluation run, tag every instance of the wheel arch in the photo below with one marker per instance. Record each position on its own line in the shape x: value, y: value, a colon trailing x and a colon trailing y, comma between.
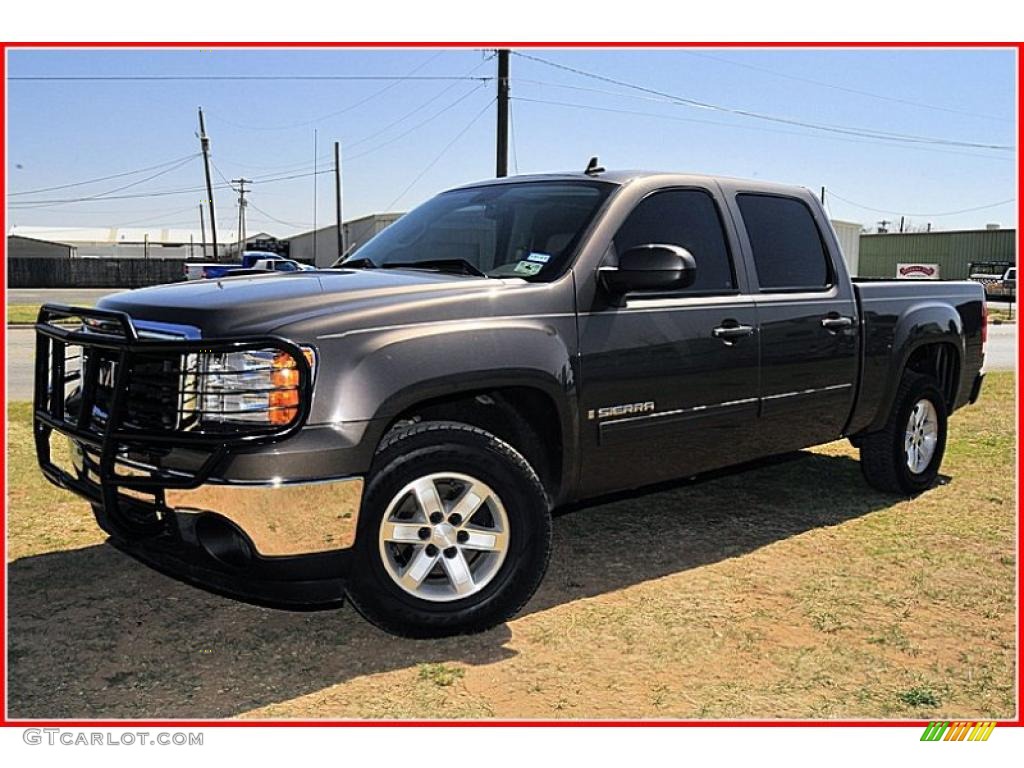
x: 928, y: 339
x: 526, y: 413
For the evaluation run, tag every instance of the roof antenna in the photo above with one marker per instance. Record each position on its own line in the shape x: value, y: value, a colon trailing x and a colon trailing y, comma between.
x: 593, y: 168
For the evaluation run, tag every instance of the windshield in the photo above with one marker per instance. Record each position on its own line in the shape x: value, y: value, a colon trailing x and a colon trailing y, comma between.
x: 526, y: 230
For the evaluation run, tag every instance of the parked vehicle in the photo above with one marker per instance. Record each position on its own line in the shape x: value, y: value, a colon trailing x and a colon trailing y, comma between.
x: 193, y: 270
x: 280, y: 265
x: 253, y: 262
x: 400, y: 428
x: 998, y: 279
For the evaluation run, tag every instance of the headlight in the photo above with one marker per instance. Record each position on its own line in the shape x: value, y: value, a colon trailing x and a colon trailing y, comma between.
x: 254, y: 386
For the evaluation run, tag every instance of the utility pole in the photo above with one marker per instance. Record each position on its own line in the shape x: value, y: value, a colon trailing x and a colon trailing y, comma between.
x: 502, y: 145
x: 337, y: 198
x: 902, y: 218
x: 822, y: 197
x: 241, y: 212
x: 145, y: 245
x: 204, y: 144
x: 316, y: 149
x: 202, y: 228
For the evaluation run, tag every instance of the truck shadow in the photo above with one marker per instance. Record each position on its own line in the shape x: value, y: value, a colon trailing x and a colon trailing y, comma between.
x: 94, y: 634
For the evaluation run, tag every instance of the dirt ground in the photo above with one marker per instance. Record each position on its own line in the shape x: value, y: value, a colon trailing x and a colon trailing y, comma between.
x: 789, y: 590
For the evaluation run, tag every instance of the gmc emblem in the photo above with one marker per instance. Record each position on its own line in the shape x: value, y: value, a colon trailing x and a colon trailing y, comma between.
x: 106, y: 374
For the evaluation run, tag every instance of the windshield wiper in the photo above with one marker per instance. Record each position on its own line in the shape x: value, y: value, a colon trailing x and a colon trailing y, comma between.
x: 456, y: 266
x: 361, y: 263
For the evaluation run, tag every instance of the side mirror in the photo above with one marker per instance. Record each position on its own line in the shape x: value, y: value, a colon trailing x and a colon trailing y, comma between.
x: 649, y: 268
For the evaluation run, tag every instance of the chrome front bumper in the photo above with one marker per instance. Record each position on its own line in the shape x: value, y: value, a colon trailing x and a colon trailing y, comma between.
x: 273, y: 543
x: 281, y: 519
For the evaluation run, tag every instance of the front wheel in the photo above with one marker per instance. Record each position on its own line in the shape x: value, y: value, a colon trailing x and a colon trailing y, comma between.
x: 905, y: 456
x: 454, y: 533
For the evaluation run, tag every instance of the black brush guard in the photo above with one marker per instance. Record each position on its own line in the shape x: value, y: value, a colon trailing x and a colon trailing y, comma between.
x: 118, y: 353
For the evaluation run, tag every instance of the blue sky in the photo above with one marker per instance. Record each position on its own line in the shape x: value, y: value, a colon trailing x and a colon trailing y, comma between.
x: 393, y: 133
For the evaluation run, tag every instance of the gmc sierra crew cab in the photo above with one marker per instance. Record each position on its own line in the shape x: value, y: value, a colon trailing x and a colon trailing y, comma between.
x: 399, y: 428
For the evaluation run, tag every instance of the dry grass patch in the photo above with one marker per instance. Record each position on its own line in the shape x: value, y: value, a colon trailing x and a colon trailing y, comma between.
x: 789, y: 590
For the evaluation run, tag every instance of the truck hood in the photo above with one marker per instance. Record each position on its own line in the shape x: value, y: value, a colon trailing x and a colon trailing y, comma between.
x: 264, y: 303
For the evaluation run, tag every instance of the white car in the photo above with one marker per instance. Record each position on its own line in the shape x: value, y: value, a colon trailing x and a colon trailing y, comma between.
x: 281, y: 265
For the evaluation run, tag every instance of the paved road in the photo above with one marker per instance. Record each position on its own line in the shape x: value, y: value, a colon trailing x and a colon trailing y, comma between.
x: 1001, y: 352
x: 73, y: 296
x: 1002, y: 356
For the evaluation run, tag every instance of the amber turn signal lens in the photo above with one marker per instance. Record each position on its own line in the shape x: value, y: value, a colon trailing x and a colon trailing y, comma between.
x: 284, y: 405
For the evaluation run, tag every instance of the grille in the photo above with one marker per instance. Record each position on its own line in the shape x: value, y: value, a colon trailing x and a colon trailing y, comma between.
x: 155, y: 382
x: 154, y: 398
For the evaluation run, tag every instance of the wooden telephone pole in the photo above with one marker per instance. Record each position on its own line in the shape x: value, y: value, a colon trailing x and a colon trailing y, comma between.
x: 337, y: 199
x: 202, y: 228
x: 204, y: 144
x: 502, y: 134
x: 241, y: 212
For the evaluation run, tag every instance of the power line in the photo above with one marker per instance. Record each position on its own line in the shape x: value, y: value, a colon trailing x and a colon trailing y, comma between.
x: 108, y: 195
x: 440, y: 154
x: 274, y: 218
x: 349, y: 108
x: 387, y: 142
x: 923, y: 215
x: 660, y: 100
x: 695, y: 103
x: 161, y: 218
x: 277, y: 168
x: 678, y: 118
x: 159, y: 193
x: 415, y: 127
x: 233, y: 78
x: 846, y: 89
x: 101, y: 178
x: 414, y: 110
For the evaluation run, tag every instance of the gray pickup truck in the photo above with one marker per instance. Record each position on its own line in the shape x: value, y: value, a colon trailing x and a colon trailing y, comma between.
x: 398, y: 429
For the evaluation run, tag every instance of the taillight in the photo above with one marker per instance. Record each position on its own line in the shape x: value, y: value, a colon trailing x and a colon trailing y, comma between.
x: 984, y: 323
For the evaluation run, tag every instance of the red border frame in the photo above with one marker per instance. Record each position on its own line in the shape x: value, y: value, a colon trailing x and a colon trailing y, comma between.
x: 5, y: 722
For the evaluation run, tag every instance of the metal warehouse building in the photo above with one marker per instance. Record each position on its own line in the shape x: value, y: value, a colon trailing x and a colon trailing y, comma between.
x: 124, y: 243
x: 848, y: 235
x: 953, y: 251
x: 357, y: 232
x: 19, y: 246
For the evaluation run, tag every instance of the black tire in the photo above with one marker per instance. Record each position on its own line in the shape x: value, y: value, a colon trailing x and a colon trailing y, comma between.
x: 416, y: 450
x: 883, y: 455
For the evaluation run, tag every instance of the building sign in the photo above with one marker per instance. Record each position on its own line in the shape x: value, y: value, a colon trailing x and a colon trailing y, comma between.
x: 917, y: 271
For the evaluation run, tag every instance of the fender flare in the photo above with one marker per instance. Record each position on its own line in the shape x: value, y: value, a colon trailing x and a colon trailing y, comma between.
x: 923, y: 325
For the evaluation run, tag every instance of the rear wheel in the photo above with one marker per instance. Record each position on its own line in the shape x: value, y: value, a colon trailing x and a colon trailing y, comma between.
x: 905, y: 456
x: 454, y: 532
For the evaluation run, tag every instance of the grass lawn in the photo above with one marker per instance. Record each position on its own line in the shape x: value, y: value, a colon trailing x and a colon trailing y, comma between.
x: 1002, y: 314
x: 22, y: 314
x: 26, y: 314
x: 789, y: 590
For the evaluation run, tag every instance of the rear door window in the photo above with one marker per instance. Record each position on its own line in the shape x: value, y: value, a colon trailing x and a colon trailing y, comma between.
x: 789, y: 253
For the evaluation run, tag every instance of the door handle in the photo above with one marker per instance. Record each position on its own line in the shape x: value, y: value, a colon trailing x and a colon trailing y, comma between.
x: 729, y: 333
x: 836, y: 323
